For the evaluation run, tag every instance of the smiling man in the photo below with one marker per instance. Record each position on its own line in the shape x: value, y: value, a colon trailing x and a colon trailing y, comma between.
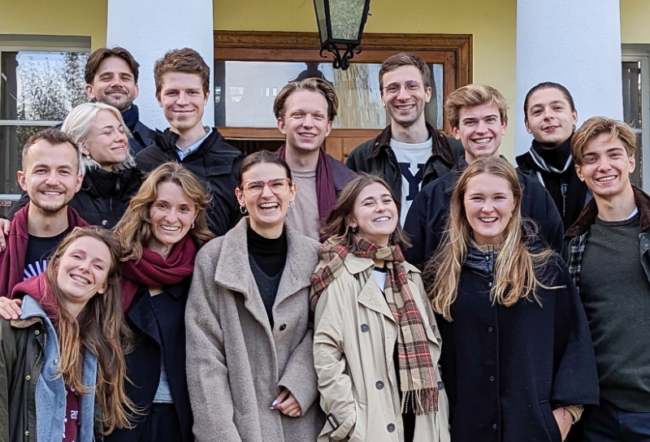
x: 409, y: 153
x: 551, y: 118
x: 478, y: 116
x: 608, y: 256
x: 305, y: 111
x: 50, y: 175
x: 112, y: 78
x: 183, y: 90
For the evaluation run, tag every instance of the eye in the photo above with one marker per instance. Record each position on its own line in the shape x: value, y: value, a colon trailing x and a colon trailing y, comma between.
x: 536, y: 112
x: 255, y: 186
x: 387, y: 200
x: 392, y: 88
x: 98, y: 266
x: 65, y: 172
x: 161, y: 205
x: 77, y: 256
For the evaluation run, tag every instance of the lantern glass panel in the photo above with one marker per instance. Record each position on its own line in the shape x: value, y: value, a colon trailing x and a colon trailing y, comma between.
x: 346, y: 16
x: 321, y: 17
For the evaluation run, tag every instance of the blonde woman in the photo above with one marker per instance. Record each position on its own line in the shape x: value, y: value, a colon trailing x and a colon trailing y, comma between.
x: 518, y: 362
x: 376, y: 344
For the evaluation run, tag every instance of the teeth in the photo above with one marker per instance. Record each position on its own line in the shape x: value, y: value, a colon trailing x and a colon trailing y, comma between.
x: 170, y: 228
x: 482, y: 140
x: 607, y: 178
x: 80, y: 279
x: 269, y: 205
x: 382, y: 219
x: 488, y: 220
x: 52, y: 193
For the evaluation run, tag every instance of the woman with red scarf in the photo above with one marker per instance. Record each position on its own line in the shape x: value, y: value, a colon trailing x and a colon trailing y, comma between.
x: 160, y: 234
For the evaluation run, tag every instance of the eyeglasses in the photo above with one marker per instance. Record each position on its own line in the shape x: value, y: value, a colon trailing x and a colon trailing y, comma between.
x: 277, y: 186
x: 411, y: 86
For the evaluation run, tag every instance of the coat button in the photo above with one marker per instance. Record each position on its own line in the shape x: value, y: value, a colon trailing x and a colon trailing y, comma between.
x: 490, y: 284
x: 390, y: 428
x: 494, y: 426
x: 283, y: 327
x: 490, y: 329
x: 28, y: 377
x: 26, y: 433
x: 364, y: 327
x: 379, y: 385
x: 491, y: 378
x: 36, y: 332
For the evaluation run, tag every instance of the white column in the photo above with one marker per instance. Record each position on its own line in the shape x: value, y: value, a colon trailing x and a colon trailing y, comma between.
x: 148, y: 29
x: 576, y: 43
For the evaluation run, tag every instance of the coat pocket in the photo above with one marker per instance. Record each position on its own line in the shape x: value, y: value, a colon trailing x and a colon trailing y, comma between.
x: 360, y: 427
x: 551, y: 424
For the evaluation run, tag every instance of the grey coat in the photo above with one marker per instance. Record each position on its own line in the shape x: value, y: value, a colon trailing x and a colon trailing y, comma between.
x: 236, y: 363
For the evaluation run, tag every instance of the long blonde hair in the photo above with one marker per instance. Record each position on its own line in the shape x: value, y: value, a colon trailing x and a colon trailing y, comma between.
x: 134, y: 230
x: 100, y: 329
x: 515, y: 273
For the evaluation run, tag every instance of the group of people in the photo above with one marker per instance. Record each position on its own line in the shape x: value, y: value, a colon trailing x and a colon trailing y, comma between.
x: 160, y: 286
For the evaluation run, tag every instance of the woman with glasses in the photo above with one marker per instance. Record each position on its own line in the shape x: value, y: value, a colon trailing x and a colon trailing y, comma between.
x: 250, y: 367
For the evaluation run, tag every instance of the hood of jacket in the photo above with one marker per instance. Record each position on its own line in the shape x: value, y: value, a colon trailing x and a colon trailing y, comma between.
x: 38, y: 289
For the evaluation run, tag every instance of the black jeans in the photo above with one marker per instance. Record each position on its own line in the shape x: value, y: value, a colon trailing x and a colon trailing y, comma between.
x: 609, y: 423
x: 161, y: 425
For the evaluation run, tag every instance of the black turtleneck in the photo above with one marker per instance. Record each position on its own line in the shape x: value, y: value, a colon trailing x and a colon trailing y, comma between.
x: 556, y: 156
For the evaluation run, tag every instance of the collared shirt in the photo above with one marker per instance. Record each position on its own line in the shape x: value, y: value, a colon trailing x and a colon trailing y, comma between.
x: 182, y: 154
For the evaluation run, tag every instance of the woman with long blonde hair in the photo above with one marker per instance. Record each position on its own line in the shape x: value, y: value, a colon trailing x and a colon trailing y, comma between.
x: 517, y: 361
x: 62, y: 359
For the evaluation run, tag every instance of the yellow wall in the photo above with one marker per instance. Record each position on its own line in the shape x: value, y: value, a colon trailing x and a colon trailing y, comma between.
x: 492, y: 24
x: 55, y: 17
x: 634, y: 21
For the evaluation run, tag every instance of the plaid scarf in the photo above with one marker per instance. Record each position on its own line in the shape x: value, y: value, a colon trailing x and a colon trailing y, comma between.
x: 416, y: 370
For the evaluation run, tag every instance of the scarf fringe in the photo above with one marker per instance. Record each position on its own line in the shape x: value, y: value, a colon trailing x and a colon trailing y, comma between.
x: 424, y: 401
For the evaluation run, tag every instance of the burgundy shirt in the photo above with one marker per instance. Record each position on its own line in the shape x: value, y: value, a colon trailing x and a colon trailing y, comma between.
x: 72, y: 418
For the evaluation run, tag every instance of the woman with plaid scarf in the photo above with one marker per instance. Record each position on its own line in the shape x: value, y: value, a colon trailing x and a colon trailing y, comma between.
x: 518, y: 362
x: 376, y: 344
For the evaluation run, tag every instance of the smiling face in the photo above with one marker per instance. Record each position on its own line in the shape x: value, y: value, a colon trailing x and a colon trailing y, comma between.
x: 606, y: 167
x: 183, y: 100
x: 405, y: 107
x: 549, y: 117
x: 106, y: 141
x: 114, y: 84
x: 305, y: 121
x: 489, y: 203
x: 83, y: 271
x: 375, y: 214
x: 50, y: 175
x: 171, y: 216
x: 480, y: 130
x: 267, y: 209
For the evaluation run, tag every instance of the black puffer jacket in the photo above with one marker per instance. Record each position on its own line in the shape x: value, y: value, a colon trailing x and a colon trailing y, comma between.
x: 216, y: 165
x: 103, y: 197
x: 426, y: 221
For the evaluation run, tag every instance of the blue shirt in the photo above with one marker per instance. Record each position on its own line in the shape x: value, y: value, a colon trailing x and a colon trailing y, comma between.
x: 194, y: 147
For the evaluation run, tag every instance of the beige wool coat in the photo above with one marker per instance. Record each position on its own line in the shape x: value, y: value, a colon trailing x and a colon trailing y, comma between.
x: 354, y: 340
x: 236, y: 363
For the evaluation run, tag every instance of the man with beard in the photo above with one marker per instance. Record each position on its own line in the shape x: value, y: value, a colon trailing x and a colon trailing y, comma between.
x: 551, y: 118
x: 112, y: 78
x: 409, y: 153
x: 50, y: 175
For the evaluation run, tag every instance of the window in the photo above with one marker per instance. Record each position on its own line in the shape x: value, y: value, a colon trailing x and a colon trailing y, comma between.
x: 41, y: 80
x: 252, y: 67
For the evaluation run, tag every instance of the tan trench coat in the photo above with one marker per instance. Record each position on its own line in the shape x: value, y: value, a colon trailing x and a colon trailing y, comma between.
x: 354, y: 339
x: 236, y: 363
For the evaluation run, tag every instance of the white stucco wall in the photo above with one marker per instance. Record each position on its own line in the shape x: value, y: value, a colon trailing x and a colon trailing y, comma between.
x: 148, y: 29
x: 576, y: 43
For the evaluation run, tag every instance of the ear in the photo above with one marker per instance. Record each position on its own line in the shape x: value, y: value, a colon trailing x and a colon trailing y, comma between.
x: 579, y: 172
x: 22, y: 180
x: 281, y: 126
x: 350, y: 221
x: 504, y: 127
x: 527, y: 125
x: 137, y: 91
x: 80, y: 180
x: 632, y: 160
x: 329, y: 128
x: 207, y: 96
x: 427, y: 94
x: 84, y: 149
x: 240, y: 196
x: 158, y: 99
x: 455, y: 132
x: 574, y: 114
x: 90, y: 91
x: 103, y: 288
x: 292, y: 191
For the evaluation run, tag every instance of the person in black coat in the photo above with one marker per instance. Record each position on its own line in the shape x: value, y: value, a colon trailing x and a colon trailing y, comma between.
x: 159, y: 235
x: 478, y: 118
x: 182, y: 89
x: 517, y: 360
x: 110, y: 175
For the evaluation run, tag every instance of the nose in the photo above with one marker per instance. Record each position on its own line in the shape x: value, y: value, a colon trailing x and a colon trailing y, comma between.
x: 403, y: 94
x: 52, y: 178
x: 487, y: 207
x: 481, y: 126
x: 182, y: 98
x: 266, y: 191
x: 603, y: 164
x: 116, y: 80
x: 308, y: 121
x: 171, y: 216
x: 380, y: 207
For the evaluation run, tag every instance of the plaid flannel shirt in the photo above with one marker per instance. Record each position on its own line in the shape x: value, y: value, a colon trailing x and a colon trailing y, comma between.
x: 574, y: 250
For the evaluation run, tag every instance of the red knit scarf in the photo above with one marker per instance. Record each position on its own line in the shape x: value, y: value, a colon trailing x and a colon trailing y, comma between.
x: 155, y: 271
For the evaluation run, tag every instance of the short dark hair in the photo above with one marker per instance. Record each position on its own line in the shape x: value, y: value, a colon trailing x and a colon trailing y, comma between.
x: 184, y: 60
x: 54, y: 137
x: 261, y: 157
x: 101, y: 54
x: 404, y: 59
x: 316, y: 85
x: 337, y: 222
x: 548, y: 85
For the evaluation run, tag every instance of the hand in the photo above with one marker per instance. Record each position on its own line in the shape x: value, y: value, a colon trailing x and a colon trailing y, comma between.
x: 10, y: 308
x: 564, y: 420
x: 286, y: 403
x: 4, y: 233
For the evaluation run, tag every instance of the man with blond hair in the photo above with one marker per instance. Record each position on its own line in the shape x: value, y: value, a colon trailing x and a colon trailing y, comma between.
x: 410, y: 152
x: 183, y: 89
x: 305, y: 111
x: 478, y: 115
x: 608, y: 255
